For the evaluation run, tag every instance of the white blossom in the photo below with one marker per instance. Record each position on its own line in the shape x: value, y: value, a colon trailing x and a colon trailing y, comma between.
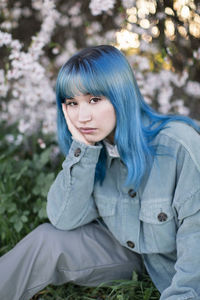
x: 18, y: 140
x: 63, y: 21
x: 180, y: 107
x: 196, y: 54
x: 55, y: 50
x: 9, y: 138
x: 193, y: 88
x: 16, y: 12
x: 75, y: 9
x: 180, y: 79
x: 41, y: 143
x: 142, y: 62
x: 161, y: 15
x: 110, y: 35
x: 119, y: 19
x: 76, y: 21
x: 3, y: 84
x: 23, y: 125
x: 99, y: 6
x: 7, y: 25
x: 37, y: 4
x: 128, y: 3
x: 5, y: 38
x: 15, y: 45
x: 70, y: 49
x: 164, y: 96
x: 26, y: 12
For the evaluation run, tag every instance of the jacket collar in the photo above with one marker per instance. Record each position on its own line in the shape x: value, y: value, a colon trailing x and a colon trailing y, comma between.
x: 112, y: 152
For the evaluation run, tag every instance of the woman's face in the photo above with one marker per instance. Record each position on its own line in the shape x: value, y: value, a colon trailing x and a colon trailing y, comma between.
x: 93, y: 116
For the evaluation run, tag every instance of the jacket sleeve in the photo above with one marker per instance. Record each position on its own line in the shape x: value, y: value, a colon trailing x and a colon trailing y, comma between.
x: 69, y: 202
x: 185, y: 284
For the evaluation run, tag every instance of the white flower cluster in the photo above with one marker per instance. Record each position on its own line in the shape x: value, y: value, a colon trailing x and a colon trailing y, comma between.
x: 97, y: 7
x: 31, y: 88
x: 74, y: 15
x: 27, y: 78
x: 3, y: 85
x: 193, y: 88
x: 160, y: 83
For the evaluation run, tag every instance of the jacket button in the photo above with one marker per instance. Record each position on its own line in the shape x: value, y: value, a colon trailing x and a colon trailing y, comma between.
x: 132, y: 193
x: 130, y: 244
x: 77, y: 152
x: 162, y: 217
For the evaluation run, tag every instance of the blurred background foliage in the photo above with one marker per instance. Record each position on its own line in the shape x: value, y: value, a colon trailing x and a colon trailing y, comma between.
x: 26, y: 173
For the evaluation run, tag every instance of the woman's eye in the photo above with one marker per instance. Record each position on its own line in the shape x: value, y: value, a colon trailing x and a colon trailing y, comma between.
x: 72, y: 103
x: 95, y: 100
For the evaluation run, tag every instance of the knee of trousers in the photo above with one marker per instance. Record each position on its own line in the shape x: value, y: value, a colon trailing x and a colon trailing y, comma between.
x: 60, y: 246
x: 43, y: 235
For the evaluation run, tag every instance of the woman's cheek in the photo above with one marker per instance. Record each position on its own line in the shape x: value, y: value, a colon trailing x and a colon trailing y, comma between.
x: 72, y: 115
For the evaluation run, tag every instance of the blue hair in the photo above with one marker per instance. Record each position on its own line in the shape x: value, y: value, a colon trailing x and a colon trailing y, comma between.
x: 104, y: 70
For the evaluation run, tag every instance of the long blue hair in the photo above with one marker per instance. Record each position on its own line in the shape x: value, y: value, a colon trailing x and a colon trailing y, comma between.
x: 104, y: 71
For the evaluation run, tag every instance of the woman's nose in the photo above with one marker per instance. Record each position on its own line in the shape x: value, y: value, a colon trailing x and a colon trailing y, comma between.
x: 84, y: 114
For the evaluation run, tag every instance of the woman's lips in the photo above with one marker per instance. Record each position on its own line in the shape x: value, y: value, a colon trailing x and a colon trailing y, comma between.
x: 87, y: 130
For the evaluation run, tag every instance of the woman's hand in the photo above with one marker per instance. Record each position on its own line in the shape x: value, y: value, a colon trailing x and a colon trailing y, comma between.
x: 74, y: 131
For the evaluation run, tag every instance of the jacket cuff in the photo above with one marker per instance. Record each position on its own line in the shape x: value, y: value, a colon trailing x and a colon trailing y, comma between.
x: 81, y: 151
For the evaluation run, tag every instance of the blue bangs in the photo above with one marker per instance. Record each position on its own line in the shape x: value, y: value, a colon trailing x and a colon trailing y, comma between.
x: 96, y: 77
x: 77, y: 82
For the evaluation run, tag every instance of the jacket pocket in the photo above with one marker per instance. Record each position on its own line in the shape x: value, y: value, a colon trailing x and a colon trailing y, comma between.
x: 158, y: 228
x: 106, y: 205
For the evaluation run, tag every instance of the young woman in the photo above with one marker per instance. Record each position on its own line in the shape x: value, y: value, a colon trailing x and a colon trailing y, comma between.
x: 128, y: 193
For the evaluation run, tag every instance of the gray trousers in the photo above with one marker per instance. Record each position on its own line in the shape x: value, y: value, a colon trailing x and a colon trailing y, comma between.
x: 88, y: 255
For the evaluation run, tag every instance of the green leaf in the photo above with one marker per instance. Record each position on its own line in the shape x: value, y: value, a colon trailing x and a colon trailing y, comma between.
x: 134, y: 276
x: 42, y: 213
x: 12, y: 207
x: 24, y: 219
x: 18, y: 226
x: 45, y: 156
x: 147, y: 293
x: 2, y: 209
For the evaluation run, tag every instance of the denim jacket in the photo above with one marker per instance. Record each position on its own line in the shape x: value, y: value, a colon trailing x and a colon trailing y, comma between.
x: 161, y: 221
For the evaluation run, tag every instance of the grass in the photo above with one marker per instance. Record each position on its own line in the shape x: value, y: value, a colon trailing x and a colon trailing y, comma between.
x: 119, y: 290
